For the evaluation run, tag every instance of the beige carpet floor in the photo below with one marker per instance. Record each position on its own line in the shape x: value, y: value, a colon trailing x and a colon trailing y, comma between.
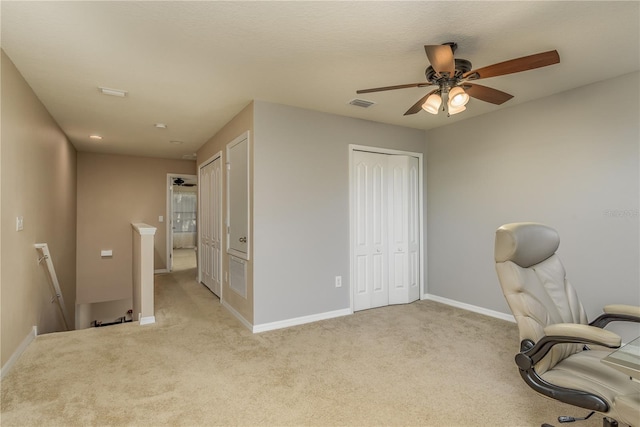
x: 184, y: 259
x: 422, y: 364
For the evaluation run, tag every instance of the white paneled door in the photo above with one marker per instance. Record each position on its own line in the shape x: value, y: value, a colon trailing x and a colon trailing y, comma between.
x: 371, y: 278
x: 385, y: 191
x: 211, y: 225
x: 404, y: 229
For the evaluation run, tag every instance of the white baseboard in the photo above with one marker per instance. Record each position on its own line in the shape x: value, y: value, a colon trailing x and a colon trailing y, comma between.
x: 16, y: 354
x: 237, y: 315
x: 301, y: 320
x: 469, y: 307
x: 160, y: 271
x: 147, y: 320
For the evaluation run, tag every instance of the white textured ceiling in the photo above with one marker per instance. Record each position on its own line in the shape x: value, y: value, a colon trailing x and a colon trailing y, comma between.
x: 194, y: 65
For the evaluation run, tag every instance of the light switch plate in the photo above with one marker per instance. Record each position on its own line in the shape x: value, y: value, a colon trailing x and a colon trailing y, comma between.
x: 160, y: 218
x: 19, y: 223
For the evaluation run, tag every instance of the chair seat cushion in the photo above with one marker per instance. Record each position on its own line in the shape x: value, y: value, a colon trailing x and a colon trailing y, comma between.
x: 628, y: 407
x: 585, y: 371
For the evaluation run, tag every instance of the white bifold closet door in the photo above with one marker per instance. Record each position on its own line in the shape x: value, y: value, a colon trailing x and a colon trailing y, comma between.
x: 210, y: 250
x: 387, y: 233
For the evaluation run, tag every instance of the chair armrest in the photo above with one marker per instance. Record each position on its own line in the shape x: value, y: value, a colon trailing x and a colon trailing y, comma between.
x: 564, y: 333
x: 623, y: 309
x: 617, y: 312
x: 584, y: 332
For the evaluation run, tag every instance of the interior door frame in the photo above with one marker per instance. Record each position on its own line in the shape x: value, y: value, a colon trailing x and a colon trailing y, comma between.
x: 211, y: 159
x: 169, y: 214
x: 352, y: 212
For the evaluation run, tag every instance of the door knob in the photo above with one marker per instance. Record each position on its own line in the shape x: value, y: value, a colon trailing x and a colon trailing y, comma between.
x: 243, y: 240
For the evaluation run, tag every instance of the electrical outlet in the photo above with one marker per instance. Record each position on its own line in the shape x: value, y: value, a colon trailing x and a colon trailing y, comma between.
x: 338, y: 281
x: 19, y: 223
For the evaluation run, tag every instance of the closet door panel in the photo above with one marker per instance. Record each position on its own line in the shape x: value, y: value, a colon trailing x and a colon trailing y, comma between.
x: 371, y: 255
x: 398, y: 229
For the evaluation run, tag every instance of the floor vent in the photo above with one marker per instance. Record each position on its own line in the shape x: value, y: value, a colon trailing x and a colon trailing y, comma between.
x: 361, y: 103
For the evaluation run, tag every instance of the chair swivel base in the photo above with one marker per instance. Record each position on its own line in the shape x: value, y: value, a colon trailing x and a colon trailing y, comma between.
x: 606, y: 422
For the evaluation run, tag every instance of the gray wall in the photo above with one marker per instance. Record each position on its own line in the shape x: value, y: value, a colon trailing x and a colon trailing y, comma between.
x: 301, y: 206
x: 570, y: 161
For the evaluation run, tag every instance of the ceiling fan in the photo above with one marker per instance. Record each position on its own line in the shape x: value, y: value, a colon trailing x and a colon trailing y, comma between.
x: 181, y: 182
x: 453, y: 77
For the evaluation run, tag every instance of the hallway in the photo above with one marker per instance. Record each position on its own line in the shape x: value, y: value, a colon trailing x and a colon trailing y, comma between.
x: 180, y: 298
x: 184, y: 259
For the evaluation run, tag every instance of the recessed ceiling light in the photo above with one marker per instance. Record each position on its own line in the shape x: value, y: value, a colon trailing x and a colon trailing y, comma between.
x: 95, y: 137
x: 113, y: 92
x: 160, y: 125
x: 177, y: 142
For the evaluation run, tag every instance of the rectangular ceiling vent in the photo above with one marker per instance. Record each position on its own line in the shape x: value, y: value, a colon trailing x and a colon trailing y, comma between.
x: 361, y: 103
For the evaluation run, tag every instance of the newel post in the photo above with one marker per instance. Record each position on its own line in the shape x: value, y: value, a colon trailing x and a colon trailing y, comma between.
x: 143, y: 308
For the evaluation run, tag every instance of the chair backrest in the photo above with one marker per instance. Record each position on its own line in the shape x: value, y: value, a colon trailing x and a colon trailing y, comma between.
x: 534, y: 283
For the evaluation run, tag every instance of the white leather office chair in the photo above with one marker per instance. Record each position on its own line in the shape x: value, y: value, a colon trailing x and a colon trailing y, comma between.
x: 554, y: 358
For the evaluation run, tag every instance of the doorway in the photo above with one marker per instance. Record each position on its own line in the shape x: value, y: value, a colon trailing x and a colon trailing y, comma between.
x: 182, y: 208
x: 386, y: 227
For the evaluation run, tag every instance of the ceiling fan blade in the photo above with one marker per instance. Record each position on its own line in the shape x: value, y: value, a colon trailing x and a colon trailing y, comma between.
x: 418, y: 105
x: 441, y: 58
x: 380, y: 89
x: 486, y: 94
x: 515, y: 65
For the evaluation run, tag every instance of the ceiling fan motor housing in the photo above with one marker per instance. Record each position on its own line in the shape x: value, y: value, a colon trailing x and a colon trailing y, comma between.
x: 462, y: 66
x: 452, y: 45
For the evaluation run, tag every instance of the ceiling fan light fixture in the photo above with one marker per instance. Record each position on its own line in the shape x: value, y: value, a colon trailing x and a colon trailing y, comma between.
x: 455, y: 110
x: 458, y: 97
x: 432, y: 104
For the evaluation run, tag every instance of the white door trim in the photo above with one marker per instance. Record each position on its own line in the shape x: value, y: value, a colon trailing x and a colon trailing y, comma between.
x: 422, y: 273
x: 211, y: 159
x: 169, y: 214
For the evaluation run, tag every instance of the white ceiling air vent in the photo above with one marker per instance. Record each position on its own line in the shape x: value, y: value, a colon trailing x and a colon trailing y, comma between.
x: 113, y: 92
x: 361, y: 103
